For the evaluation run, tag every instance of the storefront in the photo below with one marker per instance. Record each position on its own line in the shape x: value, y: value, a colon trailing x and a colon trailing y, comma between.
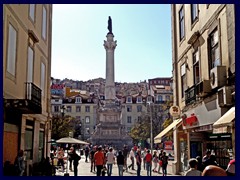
x: 222, y: 141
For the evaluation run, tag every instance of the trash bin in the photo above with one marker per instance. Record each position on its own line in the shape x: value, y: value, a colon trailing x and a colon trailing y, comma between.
x: 81, y: 152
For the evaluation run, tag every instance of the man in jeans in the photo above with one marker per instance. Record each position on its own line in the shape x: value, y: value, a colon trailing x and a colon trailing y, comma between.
x: 110, y: 161
x: 148, y: 160
x: 132, y: 156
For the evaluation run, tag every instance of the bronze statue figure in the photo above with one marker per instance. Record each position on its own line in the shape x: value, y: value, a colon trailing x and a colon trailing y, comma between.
x: 109, y: 25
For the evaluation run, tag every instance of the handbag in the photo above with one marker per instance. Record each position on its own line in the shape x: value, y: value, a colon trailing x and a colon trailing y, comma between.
x: 160, y: 163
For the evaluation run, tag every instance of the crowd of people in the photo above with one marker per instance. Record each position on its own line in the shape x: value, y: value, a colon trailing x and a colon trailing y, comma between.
x: 208, y: 166
x: 103, y: 158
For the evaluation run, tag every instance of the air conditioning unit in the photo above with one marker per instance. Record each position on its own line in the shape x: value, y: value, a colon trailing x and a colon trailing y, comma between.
x: 218, y: 76
x: 203, y: 88
x: 225, y: 96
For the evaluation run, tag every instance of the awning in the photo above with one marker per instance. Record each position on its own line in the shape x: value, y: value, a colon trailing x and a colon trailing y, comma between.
x: 226, y: 119
x: 157, y: 139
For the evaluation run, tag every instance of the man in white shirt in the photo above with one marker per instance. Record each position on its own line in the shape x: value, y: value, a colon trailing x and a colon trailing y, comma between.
x: 193, y: 168
x: 110, y: 161
x: 132, y: 156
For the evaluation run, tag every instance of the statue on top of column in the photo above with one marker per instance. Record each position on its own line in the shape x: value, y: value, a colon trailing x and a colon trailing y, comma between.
x: 109, y: 25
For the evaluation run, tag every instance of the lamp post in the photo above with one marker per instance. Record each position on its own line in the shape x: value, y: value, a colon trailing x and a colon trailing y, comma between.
x: 151, y: 124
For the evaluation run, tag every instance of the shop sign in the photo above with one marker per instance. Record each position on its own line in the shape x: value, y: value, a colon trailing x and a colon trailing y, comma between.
x: 174, y: 111
x: 192, y: 120
x: 168, y: 145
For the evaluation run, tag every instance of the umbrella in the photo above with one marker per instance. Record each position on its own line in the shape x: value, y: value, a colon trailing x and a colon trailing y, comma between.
x: 70, y: 140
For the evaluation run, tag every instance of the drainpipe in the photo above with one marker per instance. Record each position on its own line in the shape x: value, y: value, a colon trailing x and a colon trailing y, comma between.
x: 48, y: 136
x: 177, y: 160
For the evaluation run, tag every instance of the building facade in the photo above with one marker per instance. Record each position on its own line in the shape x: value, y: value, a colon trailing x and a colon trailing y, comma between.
x: 203, y: 41
x: 27, y: 34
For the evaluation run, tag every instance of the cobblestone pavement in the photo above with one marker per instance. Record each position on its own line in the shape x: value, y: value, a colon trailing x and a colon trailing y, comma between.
x: 84, y: 170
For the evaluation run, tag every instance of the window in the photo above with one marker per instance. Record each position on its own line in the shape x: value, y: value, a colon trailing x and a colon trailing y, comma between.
x: 139, y: 119
x: 196, y: 69
x: 181, y: 23
x: 139, y: 99
x: 44, y: 23
x: 149, y: 99
x: 56, y: 108
x: 129, y: 119
x: 129, y: 108
x: 214, y: 49
x: 159, y: 98
x: 128, y: 129
x: 87, y: 119
x: 41, y: 145
x: 194, y: 12
x: 78, y: 109
x: 69, y: 109
x: 139, y: 108
x: 167, y: 97
x: 42, y: 78
x: 129, y: 99
x: 32, y: 12
x: 12, y: 50
x: 183, y: 79
x: 87, y: 109
x: 78, y: 100
x: 30, y: 65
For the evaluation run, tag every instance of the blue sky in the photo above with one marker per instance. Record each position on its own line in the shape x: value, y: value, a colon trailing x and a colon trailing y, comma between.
x: 143, y: 34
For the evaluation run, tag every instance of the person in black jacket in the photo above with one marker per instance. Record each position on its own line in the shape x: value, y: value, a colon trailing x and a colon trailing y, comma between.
x: 120, y: 163
x: 75, y: 158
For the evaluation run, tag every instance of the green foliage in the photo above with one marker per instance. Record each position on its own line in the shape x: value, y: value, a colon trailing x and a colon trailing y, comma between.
x: 62, y: 126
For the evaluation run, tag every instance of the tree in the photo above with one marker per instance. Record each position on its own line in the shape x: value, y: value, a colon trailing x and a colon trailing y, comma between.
x: 62, y: 126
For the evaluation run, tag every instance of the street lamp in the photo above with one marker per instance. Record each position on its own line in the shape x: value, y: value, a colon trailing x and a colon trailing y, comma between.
x: 151, y: 131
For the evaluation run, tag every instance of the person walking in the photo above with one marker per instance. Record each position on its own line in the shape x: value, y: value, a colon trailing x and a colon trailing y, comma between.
x: 148, y: 161
x: 144, y: 159
x: 75, y: 159
x: 132, y: 156
x: 70, y: 155
x: 86, y: 153
x: 155, y: 161
x: 60, y: 156
x: 110, y: 161
x: 164, y: 159
x: 159, y: 160
x: 139, y: 162
x: 193, y: 168
x: 99, y: 160
x: 125, y: 154
x: 19, y: 164
x: 120, y: 163
x: 91, y: 157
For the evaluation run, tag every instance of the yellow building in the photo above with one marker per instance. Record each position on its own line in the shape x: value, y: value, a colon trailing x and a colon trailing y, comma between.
x: 203, y: 41
x: 27, y: 34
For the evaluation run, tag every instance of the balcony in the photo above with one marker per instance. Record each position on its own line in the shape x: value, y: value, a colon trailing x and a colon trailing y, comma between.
x: 190, y: 95
x: 32, y: 104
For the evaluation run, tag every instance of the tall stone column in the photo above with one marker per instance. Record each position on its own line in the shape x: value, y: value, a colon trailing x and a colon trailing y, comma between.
x: 110, y: 46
